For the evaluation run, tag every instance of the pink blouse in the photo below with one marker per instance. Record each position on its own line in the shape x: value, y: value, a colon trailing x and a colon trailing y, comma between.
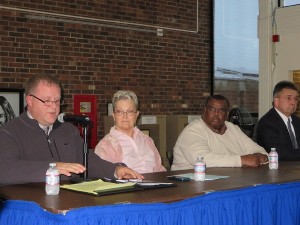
x: 138, y: 153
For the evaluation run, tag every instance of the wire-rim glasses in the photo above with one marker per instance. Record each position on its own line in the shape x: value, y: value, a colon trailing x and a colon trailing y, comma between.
x: 48, y: 102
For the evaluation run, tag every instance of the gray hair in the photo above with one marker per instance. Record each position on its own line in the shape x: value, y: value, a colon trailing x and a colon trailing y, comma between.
x: 283, y: 85
x: 124, y: 95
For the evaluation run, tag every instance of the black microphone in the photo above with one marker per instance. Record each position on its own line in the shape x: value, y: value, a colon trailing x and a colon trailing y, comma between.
x: 81, y: 119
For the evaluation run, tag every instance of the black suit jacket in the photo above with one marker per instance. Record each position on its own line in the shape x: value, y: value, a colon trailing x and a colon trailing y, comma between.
x: 272, y: 133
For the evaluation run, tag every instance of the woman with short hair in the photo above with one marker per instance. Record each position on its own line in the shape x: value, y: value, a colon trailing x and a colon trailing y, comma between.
x: 125, y: 142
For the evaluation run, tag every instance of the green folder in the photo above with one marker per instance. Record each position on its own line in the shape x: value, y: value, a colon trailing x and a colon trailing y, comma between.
x: 100, y: 187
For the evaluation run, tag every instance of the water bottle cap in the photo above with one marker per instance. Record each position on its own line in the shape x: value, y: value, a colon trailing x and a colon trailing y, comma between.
x: 52, y: 164
x: 273, y: 149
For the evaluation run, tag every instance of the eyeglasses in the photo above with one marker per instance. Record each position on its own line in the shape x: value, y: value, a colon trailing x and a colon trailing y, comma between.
x: 48, y: 102
x: 214, y: 110
x: 122, y: 113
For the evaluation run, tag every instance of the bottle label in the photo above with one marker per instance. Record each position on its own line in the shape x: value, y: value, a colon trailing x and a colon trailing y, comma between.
x: 273, y: 158
x: 52, y: 179
x: 199, y: 168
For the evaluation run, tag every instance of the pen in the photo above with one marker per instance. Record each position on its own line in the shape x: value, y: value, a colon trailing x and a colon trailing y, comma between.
x: 115, y: 180
x: 120, y: 181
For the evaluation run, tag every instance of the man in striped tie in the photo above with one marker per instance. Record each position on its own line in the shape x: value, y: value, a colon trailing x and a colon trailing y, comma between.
x: 280, y: 128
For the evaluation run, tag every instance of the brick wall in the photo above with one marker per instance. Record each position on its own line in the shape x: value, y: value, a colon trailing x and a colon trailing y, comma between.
x: 86, y: 51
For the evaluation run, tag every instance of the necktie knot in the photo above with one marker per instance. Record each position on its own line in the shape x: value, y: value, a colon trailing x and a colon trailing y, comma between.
x: 46, y: 130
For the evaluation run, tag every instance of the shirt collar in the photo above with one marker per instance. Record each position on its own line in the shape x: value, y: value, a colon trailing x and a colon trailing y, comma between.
x: 41, y: 126
x: 116, y: 132
x: 284, y: 117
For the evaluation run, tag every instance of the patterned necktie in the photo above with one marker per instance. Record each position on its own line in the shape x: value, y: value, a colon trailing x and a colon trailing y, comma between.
x: 46, y: 129
x: 292, y: 136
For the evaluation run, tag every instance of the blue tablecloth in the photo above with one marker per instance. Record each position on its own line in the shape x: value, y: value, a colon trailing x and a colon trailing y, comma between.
x: 262, y: 204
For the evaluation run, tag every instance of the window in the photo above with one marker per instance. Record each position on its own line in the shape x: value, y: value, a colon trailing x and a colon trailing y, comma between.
x: 236, y: 61
x: 285, y: 3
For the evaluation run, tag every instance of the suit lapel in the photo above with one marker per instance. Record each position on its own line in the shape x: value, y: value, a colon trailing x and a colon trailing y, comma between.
x: 280, y: 123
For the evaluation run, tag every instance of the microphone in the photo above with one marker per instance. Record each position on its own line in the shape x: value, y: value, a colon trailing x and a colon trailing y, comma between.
x: 81, y: 119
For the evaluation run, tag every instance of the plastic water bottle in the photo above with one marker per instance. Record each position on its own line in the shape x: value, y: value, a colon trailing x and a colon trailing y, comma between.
x: 199, y: 169
x: 52, y: 180
x: 273, y: 159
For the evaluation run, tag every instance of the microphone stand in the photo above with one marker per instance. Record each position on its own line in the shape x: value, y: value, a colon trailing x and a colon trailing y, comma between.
x: 85, y: 154
x: 85, y: 150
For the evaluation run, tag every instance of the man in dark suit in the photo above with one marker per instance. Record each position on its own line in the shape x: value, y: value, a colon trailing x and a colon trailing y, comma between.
x: 280, y: 128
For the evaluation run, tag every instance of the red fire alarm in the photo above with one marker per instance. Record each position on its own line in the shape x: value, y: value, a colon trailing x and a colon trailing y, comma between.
x: 275, y: 38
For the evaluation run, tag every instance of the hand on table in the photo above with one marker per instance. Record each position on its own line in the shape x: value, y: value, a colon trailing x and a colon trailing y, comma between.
x: 254, y: 160
x: 69, y: 168
x: 123, y: 172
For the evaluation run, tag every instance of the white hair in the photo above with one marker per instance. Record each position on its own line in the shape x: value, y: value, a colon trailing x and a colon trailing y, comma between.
x: 125, y: 95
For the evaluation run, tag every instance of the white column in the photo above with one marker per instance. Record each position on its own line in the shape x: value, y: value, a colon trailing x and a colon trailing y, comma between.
x: 265, y: 32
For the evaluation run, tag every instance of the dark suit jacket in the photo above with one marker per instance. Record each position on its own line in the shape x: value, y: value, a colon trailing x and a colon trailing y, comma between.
x: 272, y: 133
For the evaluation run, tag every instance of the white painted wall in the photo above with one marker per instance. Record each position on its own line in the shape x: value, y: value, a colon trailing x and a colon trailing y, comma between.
x: 288, y: 49
x: 277, y: 60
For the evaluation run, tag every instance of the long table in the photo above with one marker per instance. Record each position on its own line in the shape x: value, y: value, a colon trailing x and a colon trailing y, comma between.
x: 238, y: 178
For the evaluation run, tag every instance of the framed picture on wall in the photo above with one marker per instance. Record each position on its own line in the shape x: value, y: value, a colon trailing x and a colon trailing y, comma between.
x: 11, y: 104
